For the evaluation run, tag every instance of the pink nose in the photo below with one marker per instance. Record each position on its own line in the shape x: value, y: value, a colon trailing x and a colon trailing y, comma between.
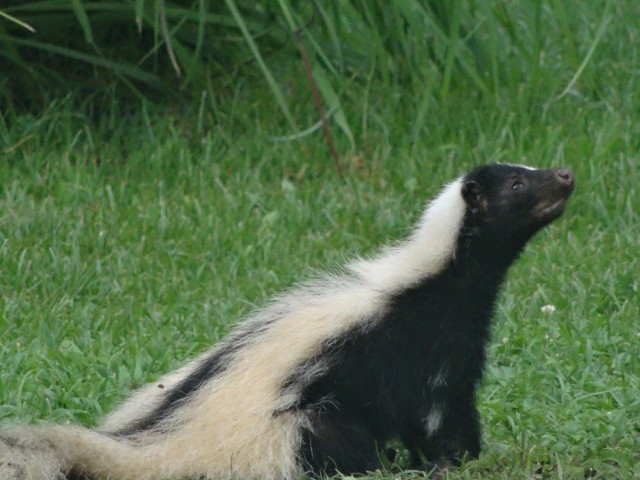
x: 565, y: 175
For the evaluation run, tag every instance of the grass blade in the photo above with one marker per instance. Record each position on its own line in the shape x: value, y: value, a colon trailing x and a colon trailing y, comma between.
x: 17, y: 21
x: 606, y: 18
x: 275, y: 88
x: 333, y: 101
x: 83, y: 20
x: 128, y: 70
x: 452, y: 49
x: 139, y: 9
x: 164, y: 26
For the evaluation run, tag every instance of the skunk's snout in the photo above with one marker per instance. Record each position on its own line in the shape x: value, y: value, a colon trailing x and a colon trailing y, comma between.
x: 566, y: 177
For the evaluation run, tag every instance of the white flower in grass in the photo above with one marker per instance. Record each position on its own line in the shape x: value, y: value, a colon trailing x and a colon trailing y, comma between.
x: 548, y: 309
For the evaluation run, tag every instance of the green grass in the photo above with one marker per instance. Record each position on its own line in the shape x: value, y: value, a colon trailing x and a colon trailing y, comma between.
x: 131, y: 239
x: 115, y: 270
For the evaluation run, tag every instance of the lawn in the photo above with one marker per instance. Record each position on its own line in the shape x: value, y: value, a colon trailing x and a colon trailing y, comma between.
x: 132, y: 242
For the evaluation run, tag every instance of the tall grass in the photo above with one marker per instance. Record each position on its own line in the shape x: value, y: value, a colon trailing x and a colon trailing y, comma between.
x: 176, y: 49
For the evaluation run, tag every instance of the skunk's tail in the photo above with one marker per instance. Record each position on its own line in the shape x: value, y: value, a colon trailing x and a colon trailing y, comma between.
x: 61, y: 452
x: 64, y: 452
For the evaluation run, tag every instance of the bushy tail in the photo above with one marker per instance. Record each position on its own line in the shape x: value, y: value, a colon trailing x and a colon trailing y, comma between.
x: 54, y: 452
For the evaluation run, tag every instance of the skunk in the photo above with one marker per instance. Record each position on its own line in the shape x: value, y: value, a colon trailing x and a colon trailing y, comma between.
x: 321, y: 379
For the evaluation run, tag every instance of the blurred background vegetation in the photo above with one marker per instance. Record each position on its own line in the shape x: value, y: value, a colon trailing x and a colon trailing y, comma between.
x: 177, y: 51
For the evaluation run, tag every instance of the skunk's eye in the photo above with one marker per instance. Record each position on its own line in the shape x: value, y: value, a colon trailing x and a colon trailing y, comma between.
x: 517, y: 185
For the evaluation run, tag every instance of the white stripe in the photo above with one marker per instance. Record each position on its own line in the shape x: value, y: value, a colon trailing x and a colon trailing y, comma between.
x: 427, y: 250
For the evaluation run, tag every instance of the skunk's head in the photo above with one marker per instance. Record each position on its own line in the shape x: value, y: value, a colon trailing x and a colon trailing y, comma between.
x: 510, y: 203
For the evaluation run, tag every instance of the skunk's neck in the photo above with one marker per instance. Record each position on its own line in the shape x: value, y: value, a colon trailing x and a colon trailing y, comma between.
x: 469, y: 287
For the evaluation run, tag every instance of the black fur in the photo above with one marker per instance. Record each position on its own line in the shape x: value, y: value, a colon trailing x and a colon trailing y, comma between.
x: 428, y: 350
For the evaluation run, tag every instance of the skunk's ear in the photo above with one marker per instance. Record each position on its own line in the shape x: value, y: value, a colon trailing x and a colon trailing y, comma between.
x: 474, y: 197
